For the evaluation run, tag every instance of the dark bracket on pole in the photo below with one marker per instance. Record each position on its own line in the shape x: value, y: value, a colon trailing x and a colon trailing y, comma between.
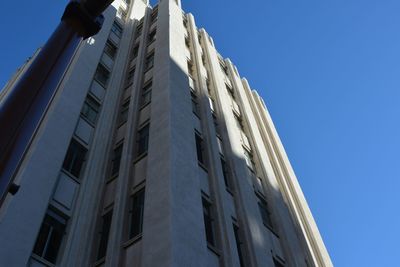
x: 13, y: 189
x: 81, y: 20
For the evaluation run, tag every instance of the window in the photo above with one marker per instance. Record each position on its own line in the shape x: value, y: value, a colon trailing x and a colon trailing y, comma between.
x: 238, y: 244
x: 90, y: 109
x: 187, y: 41
x: 208, y: 85
x: 200, y: 149
x: 110, y: 49
x: 104, y: 233
x: 152, y: 37
x: 239, y: 123
x: 143, y: 140
x: 220, y: 145
x: 249, y: 159
x: 216, y: 125
x: 203, y: 59
x: 50, y: 237
x: 260, y: 185
x: 102, y: 75
x: 265, y: 214
x: 230, y: 91
x: 116, y: 29
x: 278, y: 263
x: 191, y: 83
x: 225, y: 172
x: 135, y: 52
x: 149, y: 63
x: 116, y: 161
x: 146, y: 94
x: 121, y: 13
x: 195, y: 104
x: 136, y: 214
x: 185, y: 21
x: 224, y: 68
x: 130, y: 77
x: 139, y: 28
x: 123, y: 115
x: 154, y: 15
x: 190, y: 68
x: 208, y: 222
x: 75, y: 158
x: 212, y: 104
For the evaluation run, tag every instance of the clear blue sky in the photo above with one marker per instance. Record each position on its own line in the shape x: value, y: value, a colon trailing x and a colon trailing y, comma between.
x: 330, y: 74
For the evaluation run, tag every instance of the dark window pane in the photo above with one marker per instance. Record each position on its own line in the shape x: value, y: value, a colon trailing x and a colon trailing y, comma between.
x: 154, y: 15
x: 110, y: 49
x: 208, y: 222
x: 146, y: 98
x: 263, y: 208
x: 130, y: 77
x: 152, y: 37
x: 200, y: 149
x: 238, y: 244
x: 149, y: 62
x: 104, y: 233
x: 146, y: 94
x: 102, y: 75
x: 90, y: 109
x: 117, y: 29
x: 123, y: 115
x: 139, y: 28
x: 277, y: 263
x: 143, y: 140
x: 195, y: 104
x: 54, y: 244
x: 42, y: 238
x: 135, y: 52
x: 116, y: 162
x: 225, y: 172
x: 50, y: 237
x: 136, y: 224
x: 75, y: 158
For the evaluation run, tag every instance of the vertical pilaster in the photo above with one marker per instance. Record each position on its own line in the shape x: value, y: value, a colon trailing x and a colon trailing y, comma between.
x: 173, y: 221
x: 216, y: 176
x: 245, y: 201
x: 300, y: 214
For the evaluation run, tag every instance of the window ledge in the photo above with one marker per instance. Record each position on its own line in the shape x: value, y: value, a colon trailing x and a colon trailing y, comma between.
x: 271, y: 230
x: 150, y: 42
x: 112, y: 178
x: 140, y: 157
x: 119, y: 125
x: 201, y: 165
x: 230, y: 191
x: 93, y: 124
x: 144, y: 105
x: 99, y: 262
x: 214, y: 249
x: 132, y: 241
x: 197, y: 115
x: 70, y: 175
x: 41, y: 260
x: 148, y: 69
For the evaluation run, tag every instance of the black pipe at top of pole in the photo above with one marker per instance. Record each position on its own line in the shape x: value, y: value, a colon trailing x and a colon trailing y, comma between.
x: 25, y: 105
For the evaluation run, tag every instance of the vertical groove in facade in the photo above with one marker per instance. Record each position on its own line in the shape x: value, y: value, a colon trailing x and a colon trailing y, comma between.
x: 155, y: 152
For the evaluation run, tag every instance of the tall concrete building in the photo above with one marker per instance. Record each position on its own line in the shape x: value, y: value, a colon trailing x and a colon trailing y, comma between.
x: 156, y: 153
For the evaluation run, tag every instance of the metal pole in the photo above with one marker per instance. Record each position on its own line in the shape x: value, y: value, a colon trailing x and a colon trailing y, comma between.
x: 24, y: 107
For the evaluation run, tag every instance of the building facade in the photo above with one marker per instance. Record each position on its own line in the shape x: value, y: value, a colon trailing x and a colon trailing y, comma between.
x: 155, y: 152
